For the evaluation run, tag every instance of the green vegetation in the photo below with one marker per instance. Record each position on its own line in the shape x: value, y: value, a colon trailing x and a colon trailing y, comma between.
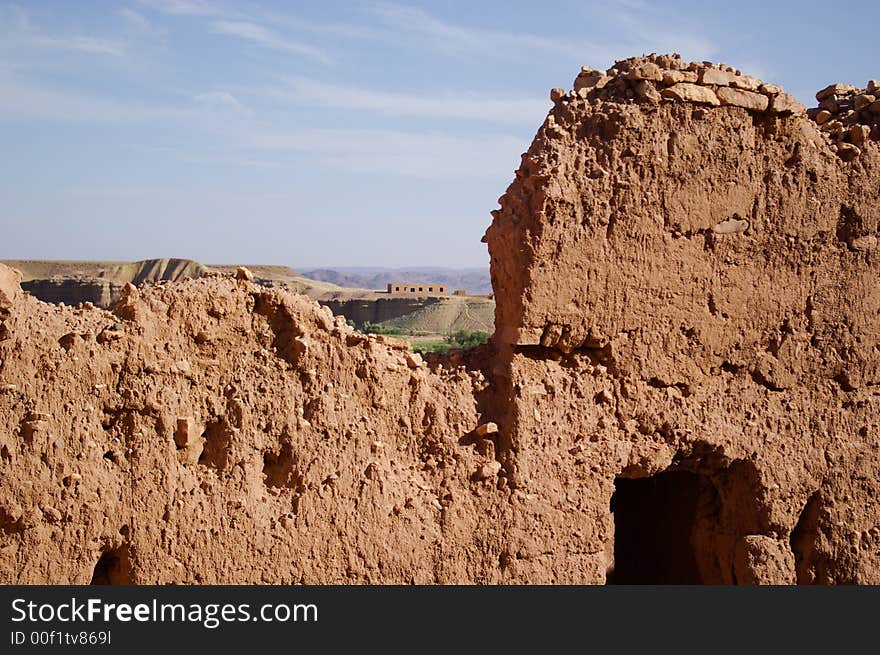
x: 431, y: 347
x: 378, y: 328
x: 462, y: 339
x: 466, y: 339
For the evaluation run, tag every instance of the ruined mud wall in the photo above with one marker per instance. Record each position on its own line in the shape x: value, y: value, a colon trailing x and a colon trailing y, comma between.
x: 683, y: 385
x: 215, y: 431
x: 686, y: 276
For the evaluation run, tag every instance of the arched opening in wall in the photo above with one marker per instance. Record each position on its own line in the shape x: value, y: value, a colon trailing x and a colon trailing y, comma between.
x: 113, y: 567
x: 659, y: 523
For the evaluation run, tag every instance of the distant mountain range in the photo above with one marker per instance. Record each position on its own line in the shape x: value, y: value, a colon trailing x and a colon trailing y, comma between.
x: 473, y: 280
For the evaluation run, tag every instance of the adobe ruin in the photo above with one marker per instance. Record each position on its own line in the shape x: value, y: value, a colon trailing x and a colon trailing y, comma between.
x: 417, y: 289
x: 684, y: 384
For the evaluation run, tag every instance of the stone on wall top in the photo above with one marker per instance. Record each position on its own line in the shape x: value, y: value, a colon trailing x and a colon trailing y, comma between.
x: 848, y: 115
x: 657, y: 78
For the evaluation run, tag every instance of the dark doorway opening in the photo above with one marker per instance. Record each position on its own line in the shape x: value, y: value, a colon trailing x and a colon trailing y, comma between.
x: 114, y: 567
x: 654, y: 528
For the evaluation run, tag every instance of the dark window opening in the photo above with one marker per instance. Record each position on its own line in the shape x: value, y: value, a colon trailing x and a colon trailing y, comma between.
x: 655, y: 521
x: 114, y: 567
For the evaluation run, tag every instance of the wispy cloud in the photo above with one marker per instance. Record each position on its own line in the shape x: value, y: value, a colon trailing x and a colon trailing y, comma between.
x: 250, y: 144
x: 184, y: 7
x: 392, y: 152
x: 641, y: 26
x: 458, y: 105
x: 15, y: 18
x: 634, y: 27
x: 267, y: 38
x: 115, y: 191
x: 27, y: 99
x: 231, y: 157
x: 248, y: 27
x: 645, y: 33
x: 18, y: 34
x: 337, y: 28
x: 222, y: 102
x: 136, y: 22
x: 260, y: 16
x: 85, y: 44
x: 22, y: 99
x: 454, y: 38
x: 231, y: 160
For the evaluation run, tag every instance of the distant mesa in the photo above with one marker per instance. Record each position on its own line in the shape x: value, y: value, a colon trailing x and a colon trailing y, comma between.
x: 100, y: 283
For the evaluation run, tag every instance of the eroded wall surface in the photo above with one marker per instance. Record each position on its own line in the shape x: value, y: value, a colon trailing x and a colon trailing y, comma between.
x: 686, y: 284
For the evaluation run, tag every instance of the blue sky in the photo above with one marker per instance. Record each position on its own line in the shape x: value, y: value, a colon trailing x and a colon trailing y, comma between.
x: 331, y: 133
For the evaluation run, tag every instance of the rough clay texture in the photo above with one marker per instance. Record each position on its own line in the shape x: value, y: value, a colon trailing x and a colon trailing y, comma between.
x: 693, y: 288
x: 683, y: 385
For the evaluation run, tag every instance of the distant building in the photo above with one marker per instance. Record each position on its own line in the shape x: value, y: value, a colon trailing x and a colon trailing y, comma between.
x: 423, y: 289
